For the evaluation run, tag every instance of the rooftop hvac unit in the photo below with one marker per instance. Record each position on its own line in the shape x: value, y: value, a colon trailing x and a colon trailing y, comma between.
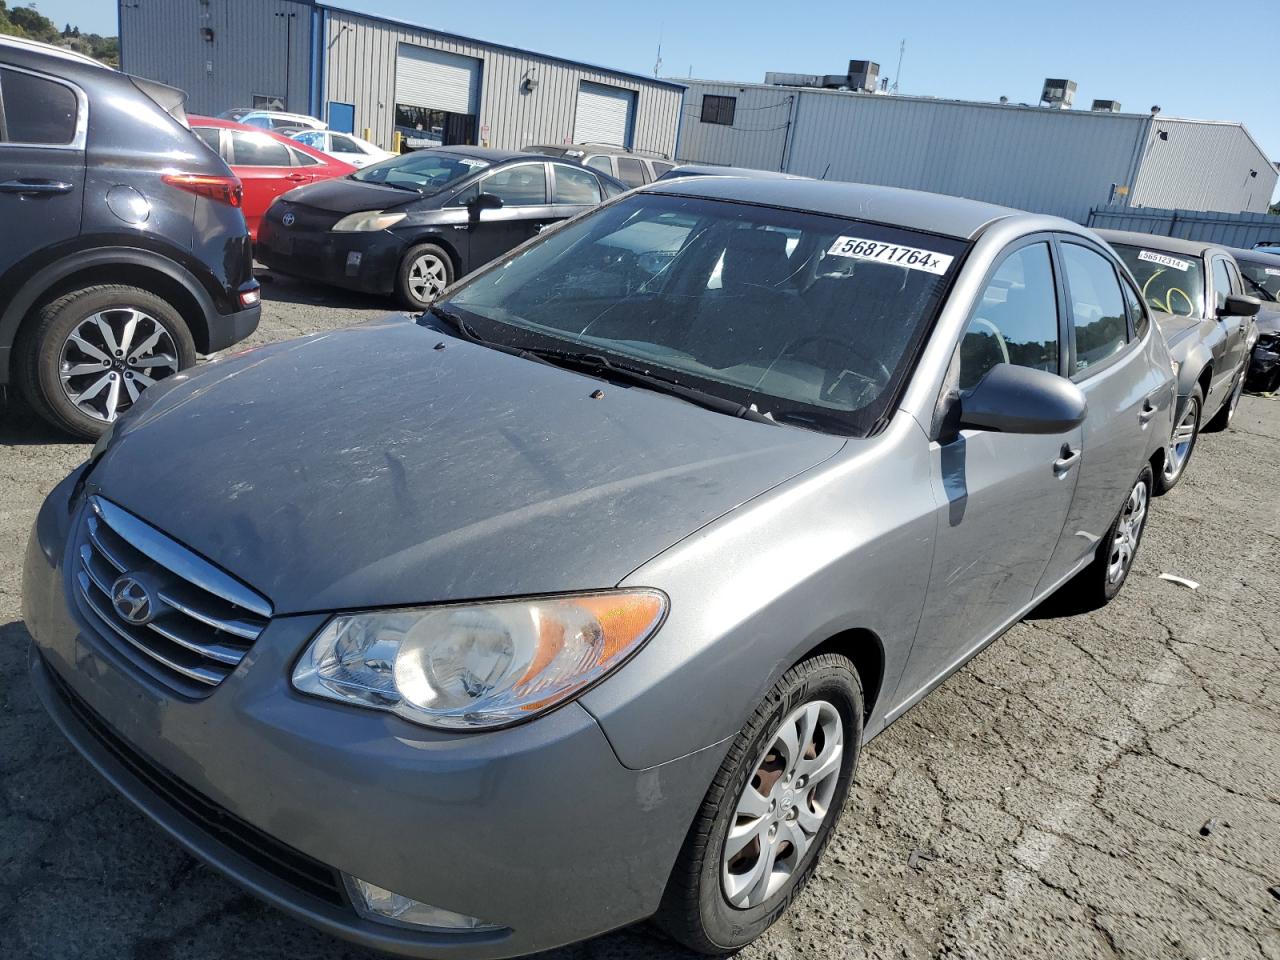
x: 792, y: 79
x: 863, y: 75
x: 1060, y: 94
x: 1106, y: 106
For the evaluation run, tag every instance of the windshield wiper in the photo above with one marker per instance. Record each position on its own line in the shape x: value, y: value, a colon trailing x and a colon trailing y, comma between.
x: 459, y: 325
x: 1267, y: 294
x: 388, y: 183
x: 594, y: 363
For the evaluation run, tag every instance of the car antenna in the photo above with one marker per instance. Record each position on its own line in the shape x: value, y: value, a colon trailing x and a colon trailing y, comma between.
x: 827, y: 170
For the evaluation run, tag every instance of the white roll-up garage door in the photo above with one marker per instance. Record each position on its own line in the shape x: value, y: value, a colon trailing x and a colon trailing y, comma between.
x: 437, y: 80
x: 604, y: 114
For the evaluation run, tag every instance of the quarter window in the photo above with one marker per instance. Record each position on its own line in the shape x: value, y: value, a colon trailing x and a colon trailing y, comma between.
x: 631, y: 171
x: 575, y: 185
x: 719, y: 109
x: 1097, y: 305
x: 523, y: 185
x: 1017, y: 319
x: 36, y: 110
x: 211, y: 136
x: 1221, y: 283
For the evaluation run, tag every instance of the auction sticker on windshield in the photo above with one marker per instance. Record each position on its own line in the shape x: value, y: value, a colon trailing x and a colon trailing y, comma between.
x: 1164, y: 260
x: 912, y: 258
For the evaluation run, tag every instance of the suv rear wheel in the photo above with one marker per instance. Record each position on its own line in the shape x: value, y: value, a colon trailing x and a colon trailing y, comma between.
x: 83, y: 359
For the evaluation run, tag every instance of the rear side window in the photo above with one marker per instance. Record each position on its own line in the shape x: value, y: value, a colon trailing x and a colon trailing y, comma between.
x: 1097, y: 305
x: 631, y: 171
x: 36, y: 110
x: 603, y: 164
x: 575, y: 185
x: 258, y: 150
x: 1016, y: 320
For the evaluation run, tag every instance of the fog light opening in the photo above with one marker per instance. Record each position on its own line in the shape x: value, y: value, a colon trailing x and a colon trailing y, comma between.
x: 385, y: 906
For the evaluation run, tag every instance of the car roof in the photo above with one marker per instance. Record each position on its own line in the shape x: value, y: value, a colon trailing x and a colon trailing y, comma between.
x: 913, y: 209
x: 1259, y: 256
x: 1153, y: 241
x: 492, y: 154
x: 37, y: 46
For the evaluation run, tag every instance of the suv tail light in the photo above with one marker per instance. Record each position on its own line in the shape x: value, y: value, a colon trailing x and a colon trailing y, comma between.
x: 222, y: 189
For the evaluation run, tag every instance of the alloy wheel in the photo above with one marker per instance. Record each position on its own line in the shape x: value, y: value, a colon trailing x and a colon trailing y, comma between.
x: 427, y: 277
x: 1128, y: 532
x: 1183, y: 439
x: 110, y: 357
x: 783, y: 805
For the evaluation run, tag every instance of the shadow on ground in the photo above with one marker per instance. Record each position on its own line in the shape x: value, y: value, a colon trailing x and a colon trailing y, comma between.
x: 281, y: 288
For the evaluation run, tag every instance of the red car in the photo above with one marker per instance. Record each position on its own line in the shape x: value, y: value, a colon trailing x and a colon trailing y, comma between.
x: 266, y: 163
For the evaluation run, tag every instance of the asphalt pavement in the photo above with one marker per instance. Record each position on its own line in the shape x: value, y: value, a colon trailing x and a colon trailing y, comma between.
x: 1095, y: 786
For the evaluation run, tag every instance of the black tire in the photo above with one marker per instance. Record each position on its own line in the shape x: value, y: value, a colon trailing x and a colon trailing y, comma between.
x: 407, y: 282
x: 1172, y: 469
x: 1094, y: 587
x: 41, y: 339
x: 695, y: 909
x: 1222, y: 419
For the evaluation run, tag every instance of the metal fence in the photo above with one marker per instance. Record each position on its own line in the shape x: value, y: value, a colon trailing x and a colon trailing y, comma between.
x: 1228, y: 229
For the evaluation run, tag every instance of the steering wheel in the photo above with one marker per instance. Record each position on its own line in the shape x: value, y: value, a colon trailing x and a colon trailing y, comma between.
x: 995, y: 332
x: 883, y: 378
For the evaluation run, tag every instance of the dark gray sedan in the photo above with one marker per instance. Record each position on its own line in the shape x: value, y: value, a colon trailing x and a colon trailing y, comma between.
x: 1198, y: 298
x: 580, y: 610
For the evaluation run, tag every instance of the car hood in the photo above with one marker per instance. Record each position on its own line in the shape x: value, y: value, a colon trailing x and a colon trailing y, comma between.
x: 344, y: 195
x: 1175, y: 328
x: 365, y: 467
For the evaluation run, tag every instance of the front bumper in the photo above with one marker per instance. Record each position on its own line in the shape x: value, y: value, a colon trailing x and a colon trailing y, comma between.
x: 366, y: 262
x: 538, y: 828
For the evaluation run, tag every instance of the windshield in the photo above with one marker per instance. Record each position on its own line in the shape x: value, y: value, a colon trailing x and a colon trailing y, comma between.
x: 1170, y: 282
x: 812, y: 319
x: 1261, y: 280
x: 425, y: 170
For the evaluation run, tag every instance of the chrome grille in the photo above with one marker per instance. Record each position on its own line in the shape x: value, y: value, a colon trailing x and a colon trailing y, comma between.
x: 173, y: 613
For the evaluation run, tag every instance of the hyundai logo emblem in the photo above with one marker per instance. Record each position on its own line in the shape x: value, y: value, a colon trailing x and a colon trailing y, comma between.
x: 288, y: 219
x: 132, y: 600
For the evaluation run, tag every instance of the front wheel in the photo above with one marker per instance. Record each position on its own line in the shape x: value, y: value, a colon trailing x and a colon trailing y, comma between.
x: 1182, y: 444
x: 425, y: 271
x: 770, y: 811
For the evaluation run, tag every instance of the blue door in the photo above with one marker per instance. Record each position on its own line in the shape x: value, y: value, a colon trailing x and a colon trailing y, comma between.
x: 342, y: 117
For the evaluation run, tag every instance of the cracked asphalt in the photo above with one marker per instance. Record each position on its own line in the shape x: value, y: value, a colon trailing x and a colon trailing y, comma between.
x: 1050, y: 800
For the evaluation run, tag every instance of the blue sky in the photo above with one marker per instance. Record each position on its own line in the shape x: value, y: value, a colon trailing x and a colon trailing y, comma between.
x: 1194, y: 59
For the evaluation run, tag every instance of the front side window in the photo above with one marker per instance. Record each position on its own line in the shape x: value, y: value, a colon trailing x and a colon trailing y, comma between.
x: 258, y: 150
x: 36, y: 110
x: 523, y: 185
x: 575, y: 185
x: 631, y: 171
x: 1221, y: 284
x: 1016, y: 321
x: 1169, y: 282
x: 719, y: 109
x: 815, y: 320
x: 1097, y: 305
x: 426, y: 171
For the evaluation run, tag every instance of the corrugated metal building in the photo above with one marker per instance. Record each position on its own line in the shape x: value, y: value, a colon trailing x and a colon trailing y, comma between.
x: 1063, y: 162
x: 359, y: 71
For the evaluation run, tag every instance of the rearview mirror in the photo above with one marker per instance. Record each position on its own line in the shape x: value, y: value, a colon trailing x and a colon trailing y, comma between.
x: 1240, y: 306
x: 485, y: 201
x: 1011, y: 399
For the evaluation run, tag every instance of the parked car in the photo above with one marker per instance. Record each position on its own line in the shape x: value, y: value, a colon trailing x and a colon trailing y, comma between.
x: 710, y: 170
x: 280, y: 121
x: 268, y: 164
x: 1197, y: 294
x: 671, y: 534
x: 345, y: 146
x: 125, y: 252
x: 1260, y: 269
x: 412, y: 225
x: 235, y: 113
x: 633, y: 169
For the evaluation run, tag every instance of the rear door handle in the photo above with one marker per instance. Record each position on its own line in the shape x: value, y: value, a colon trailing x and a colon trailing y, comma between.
x: 297, y: 177
x: 1148, y: 411
x: 1066, y: 461
x: 35, y: 186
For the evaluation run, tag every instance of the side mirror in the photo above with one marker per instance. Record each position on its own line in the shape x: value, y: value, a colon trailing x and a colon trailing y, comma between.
x: 484, y: 201
x: 1240, y: 306
x: 1012, y: 399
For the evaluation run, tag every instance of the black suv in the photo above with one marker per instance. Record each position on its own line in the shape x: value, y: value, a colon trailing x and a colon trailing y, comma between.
x: 125, y: 252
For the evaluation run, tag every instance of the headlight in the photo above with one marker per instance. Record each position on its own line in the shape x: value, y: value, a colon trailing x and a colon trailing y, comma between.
x: 481, y: 665
x: 367, y: 221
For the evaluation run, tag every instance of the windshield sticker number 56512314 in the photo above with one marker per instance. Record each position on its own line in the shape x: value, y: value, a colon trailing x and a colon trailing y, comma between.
x: 913, y: 258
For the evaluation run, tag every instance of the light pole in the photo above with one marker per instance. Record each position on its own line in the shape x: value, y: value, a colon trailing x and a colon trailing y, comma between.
x: 288, y: 52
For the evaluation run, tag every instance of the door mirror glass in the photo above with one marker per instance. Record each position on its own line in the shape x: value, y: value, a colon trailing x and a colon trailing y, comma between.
x: 1237, y: 305
x: 1013, y: 399
x: 485, y: 201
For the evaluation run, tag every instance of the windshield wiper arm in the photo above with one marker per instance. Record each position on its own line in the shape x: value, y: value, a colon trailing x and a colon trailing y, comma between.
x: 458, y: 324
x: 594, y: 363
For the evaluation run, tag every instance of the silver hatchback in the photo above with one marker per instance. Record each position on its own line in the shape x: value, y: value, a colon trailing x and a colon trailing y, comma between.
x: 579, y: 610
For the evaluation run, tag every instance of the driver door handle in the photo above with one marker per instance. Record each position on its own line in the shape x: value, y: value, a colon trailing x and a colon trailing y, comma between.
x: 1066, y: 461
x: 35, y: 186
x: 1147, y: 412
